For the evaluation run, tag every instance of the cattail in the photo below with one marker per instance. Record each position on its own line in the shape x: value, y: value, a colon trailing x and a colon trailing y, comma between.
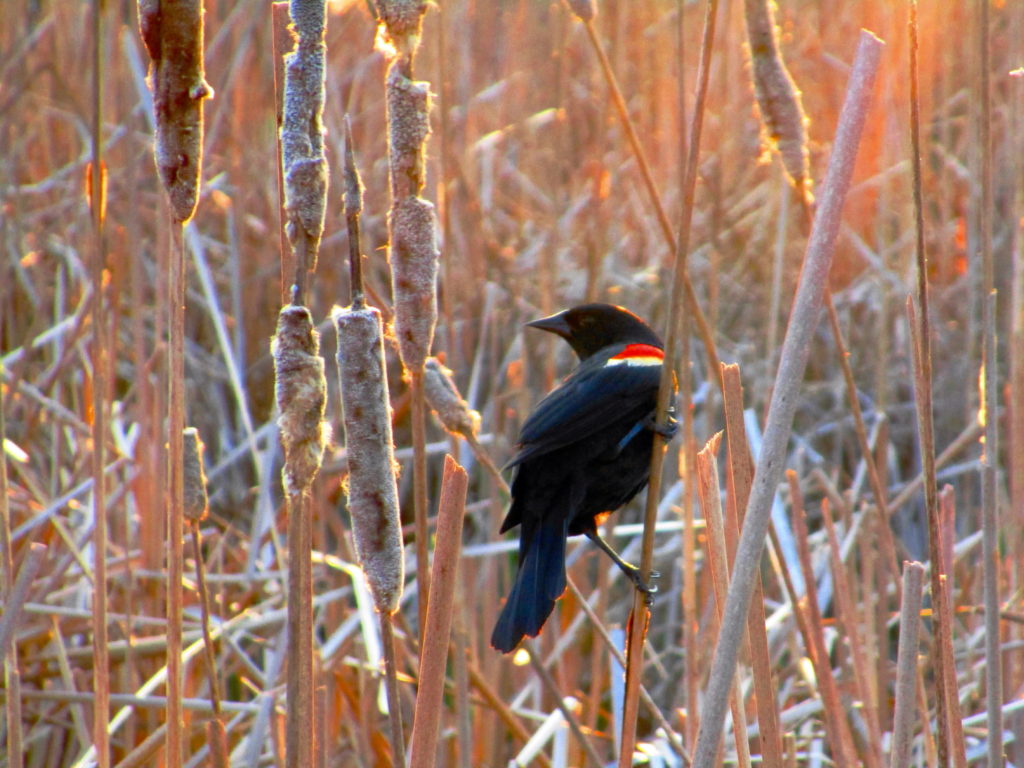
x: 585, y: 10
x: 175, y: 44
x: 194, y: 475
x: 300, y: 390
x: 784, y: 123
x: 372, y: 490
x: 411, y: 221
x: 302, y: 142
x: 443, y: 396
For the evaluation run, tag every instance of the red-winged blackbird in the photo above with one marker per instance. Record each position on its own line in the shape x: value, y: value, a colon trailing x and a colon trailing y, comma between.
x: 584, y: 452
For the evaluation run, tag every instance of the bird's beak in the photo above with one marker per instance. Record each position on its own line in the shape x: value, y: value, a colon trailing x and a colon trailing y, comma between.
x: 555, y: 324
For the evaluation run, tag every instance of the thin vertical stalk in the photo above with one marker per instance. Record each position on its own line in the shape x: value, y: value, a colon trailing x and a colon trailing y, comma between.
x: 990, y: 385
x: 640, y: 614
x: 97, y: 202
x: 906, y: 666
x: 795, y: 351
x: 175, y: 499
x: 921, y: 333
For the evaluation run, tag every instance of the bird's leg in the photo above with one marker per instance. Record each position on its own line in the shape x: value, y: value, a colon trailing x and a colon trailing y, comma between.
x: 631, y: 571
x: 668, y: 429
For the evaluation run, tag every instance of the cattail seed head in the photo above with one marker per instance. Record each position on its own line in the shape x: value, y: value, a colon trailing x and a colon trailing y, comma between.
x: 300, y: 389
x: 444, y: 398
x: 784, y: 123
x: 414, y: 258
x: 372, y: 489
x: 195, y: 499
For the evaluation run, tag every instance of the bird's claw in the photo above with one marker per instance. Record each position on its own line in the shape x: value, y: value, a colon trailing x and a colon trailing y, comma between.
x: 648, y: 588
x: 667, y: 430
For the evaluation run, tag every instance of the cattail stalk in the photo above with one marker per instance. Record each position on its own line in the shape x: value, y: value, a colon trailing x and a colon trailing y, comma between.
x: 173, y: 34
x: 195, y: 508
x: 429, y: 699
x: 98, y: 203
x: 906, y: 666
x: 413, y: 249
x: 369, y: 445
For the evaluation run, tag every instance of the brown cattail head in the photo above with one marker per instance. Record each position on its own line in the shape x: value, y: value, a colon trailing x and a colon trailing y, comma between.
x: 444, y: 398
x: 372, y: 489
x: 302, y: 142
x: 194, y: 476
x: 300, y: 389
x: 414, y: 259
x: 784, y: 123
x: 173, y: 34
x: 585, y: 10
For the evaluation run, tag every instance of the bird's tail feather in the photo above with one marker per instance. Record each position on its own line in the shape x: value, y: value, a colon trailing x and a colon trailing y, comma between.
x: 540, y: 581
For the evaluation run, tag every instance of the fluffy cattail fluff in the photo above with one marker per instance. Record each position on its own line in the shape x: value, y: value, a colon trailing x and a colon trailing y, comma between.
x: 778, y: 99
x: 444, y: 398
x: 173, y: 34
x: 372, y: 490
x: 302, y: 143
x: 300, y: 388
x: 194, y: 476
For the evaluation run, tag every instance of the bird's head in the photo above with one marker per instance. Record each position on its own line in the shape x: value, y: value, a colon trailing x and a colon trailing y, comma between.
x: 589, y: 328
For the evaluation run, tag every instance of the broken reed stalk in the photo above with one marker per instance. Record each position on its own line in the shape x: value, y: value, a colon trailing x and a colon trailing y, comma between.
x: 585, y: 11
x: 300, y: 384
x: 846, y: 612
x: 906, y: 666
x: 741, y: 473
x: 990, y: 408
x: 718, y: 558
x: 447, y: 552
x: 793, y: 361
x: 195, y: 506
x: 413, y: 252
x: 173, y: 35
x: 97, y: 204
x: 640, y: 615
x: 836, y: 726
x: 366, y: 412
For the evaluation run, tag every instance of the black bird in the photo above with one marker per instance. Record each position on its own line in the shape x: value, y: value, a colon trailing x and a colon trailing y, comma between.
x: 584, y: 452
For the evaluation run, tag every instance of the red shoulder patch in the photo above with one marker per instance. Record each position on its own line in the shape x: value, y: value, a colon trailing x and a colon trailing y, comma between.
x: 639, y: 350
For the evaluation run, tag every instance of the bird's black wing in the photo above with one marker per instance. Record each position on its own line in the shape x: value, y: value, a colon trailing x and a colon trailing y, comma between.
x: 592, y: 398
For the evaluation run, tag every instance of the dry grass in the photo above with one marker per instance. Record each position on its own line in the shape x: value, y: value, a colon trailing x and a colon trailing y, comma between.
x: 540, y: 204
